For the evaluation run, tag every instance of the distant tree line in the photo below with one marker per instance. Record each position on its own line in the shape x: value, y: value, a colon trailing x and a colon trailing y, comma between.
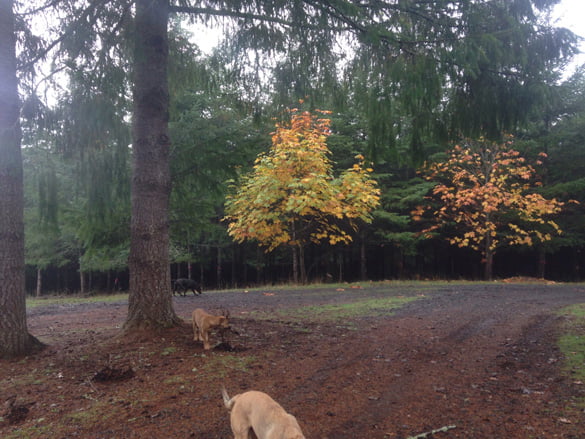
x: 70, y: 239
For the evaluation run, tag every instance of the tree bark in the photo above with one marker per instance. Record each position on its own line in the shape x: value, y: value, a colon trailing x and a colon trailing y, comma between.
x: 295, y: 264
x: 340, y: 264
x: 489, y: 258
x: 218, y: 270
x: 541, y: 262
x: 14, y: 337
x: 302, y: 267
x: 150, y: 303
x: 363, y: 258
x: 39, y: 282
x: 81, y: 279
x: 295, y: 257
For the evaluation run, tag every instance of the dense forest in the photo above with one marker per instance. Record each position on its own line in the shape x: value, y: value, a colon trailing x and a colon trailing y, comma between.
x: 401, y: 92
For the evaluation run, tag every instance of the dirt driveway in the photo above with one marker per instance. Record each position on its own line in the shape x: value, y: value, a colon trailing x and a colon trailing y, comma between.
x: 470, y: 361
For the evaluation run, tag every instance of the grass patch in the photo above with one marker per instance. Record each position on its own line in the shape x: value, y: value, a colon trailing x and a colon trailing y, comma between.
x: 97, y: 414
x: 176, y: 379
x: 573, y: 348
x: 168, y: 351
x: 29, y: 432
x: 572, y: 341
x: 72, y: 300
x: 219, y: 366
x: 335, y: 287
x: 335, y: 312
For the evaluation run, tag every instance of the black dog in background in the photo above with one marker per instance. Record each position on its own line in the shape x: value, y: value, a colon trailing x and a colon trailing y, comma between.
x: 182, y: 286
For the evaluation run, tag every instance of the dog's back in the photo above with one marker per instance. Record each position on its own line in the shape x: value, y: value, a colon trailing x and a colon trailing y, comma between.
x: 259, y: 412
x: 198, y: 315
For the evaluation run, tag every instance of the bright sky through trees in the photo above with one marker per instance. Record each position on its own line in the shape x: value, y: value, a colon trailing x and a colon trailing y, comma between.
x: 570, y: 14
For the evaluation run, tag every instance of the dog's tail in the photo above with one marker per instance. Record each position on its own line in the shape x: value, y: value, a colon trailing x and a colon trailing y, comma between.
x: 227, y: 401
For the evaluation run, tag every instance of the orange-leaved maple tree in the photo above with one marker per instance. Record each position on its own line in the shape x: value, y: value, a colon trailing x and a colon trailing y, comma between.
x: 486, y: 190
x: 292, y: 197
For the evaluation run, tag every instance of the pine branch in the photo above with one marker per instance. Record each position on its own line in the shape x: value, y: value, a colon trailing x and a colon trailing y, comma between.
x: 71, y: 29
x: 247, y: 16
x: 228, y: 14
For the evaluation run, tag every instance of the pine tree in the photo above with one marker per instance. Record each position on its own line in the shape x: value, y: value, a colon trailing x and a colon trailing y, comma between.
x: 14, y: 337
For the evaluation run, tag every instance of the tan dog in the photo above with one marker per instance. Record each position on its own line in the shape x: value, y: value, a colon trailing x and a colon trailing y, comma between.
x: 203, y: 322
x: 256, y: 415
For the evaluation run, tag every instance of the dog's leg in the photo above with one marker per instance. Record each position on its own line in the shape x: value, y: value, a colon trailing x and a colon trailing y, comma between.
x: 195, y: 331
x: 205, y: 339
x: 244, y: 434
x: 241, y: 428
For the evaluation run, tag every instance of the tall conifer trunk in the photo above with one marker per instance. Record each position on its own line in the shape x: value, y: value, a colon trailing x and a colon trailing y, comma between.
x: 489, y: 258
x: 302, y: 267
x: 14, y: 337
x: 295, y: 264
x: 150, y: 302
x: 363, y: 257
x: 39, y: 282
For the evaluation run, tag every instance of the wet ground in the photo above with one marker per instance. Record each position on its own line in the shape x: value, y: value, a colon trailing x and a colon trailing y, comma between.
x: 466, y: 360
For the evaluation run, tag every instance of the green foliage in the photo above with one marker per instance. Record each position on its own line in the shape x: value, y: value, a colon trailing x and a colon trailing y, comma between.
x: 561, y: 130
x: 69, y: 217
x: 504, y: 67
x: 41, y: 214
x: 214, y: 133
x: 392, y: 222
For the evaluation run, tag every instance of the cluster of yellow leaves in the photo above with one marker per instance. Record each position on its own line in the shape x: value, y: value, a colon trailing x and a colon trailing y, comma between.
x: 485, y: 188
x: 291, y: 196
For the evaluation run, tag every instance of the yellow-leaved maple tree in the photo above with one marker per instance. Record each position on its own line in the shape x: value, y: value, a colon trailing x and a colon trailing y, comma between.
x: 292, y: 197
x: 487, y: 190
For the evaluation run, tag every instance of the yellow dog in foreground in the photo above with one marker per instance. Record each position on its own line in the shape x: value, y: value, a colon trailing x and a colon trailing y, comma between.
x: 258, y: 413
